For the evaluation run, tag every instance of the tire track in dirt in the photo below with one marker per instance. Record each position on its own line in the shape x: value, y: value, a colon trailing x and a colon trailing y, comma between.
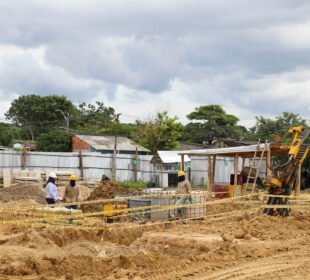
x: 200, y: 271
x: 249, y: 271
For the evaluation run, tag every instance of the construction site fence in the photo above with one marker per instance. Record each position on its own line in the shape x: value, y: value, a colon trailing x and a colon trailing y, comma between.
x: 50, y: 219
x: 129, y: 167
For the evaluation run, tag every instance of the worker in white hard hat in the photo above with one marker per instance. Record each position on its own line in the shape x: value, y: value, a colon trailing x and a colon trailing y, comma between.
x: 184, y: 190
x: 51, y: 189
x: 72, y: 193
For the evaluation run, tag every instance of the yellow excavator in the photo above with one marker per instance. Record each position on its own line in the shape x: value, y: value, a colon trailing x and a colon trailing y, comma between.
x: 284, y: 176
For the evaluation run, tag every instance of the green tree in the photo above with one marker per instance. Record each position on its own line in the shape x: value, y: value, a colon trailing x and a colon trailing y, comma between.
x: 267, y: 128
x: 37, y: 114
x: 54, y: 141
x: 211, y: 122
x: 158, y: 133
x: 123, y: 129
x: 8, y: 133
x: 94, y: 117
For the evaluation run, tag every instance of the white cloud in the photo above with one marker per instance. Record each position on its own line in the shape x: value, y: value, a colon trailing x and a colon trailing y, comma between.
x: 144, y: 56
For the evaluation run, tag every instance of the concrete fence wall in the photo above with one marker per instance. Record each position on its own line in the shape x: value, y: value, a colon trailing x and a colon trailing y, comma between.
x: 93, y: 165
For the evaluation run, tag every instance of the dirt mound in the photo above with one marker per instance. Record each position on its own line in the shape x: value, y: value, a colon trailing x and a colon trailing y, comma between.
x: 31, y: 239
x: 107, y: 189
x: 23, y: 191
x: 225, y: 208
x: 20, y: 203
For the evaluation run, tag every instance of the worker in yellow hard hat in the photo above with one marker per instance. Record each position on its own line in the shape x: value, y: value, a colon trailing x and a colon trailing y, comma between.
x: 184, y: 190
x: 72, y: 192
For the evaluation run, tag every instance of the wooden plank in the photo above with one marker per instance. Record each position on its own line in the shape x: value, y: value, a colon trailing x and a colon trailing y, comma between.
x: 268, y: 163
x: 243, y: 162
x: 298, y: 181
x: 213, y: 169
x: 209, y: 175
x: 236, y: 169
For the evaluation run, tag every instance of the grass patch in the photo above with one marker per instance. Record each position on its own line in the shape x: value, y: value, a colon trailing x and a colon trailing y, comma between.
x: 133, y: 185
x: 204, y: 188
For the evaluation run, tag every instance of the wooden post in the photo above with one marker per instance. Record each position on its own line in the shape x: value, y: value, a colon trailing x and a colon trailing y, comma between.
x: 135, y: 166
x: 182, y: 163
x: 213, y: 168
x: 24, y: 157
x: 115, y: 149
x: 81, y: 165
x: 268, y: 163
x: 113, y: 169
x: 243, y: 162
x: 209, y: 174
x: 298, y: 181
x: 236, y: 169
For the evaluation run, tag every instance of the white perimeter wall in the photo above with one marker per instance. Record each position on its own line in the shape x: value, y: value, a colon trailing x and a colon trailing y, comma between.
x: 95, y: 165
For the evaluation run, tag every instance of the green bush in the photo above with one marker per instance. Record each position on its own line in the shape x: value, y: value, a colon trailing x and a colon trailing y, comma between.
x: 54, y: 141
x: 133, y: 185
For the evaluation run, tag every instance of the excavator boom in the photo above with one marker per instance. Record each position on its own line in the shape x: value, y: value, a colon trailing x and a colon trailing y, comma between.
x: 284, y: 177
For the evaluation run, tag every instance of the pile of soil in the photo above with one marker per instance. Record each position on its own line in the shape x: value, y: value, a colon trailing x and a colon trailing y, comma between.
x: 23, y: 191
x: 107, y: 189
x: 252, y: 247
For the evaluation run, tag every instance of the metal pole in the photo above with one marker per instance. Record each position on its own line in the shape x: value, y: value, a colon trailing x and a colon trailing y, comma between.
x: 67, y: 118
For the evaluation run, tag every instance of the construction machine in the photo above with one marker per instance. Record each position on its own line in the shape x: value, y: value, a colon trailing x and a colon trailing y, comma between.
x: 282, y: 181
x: 116, y: 212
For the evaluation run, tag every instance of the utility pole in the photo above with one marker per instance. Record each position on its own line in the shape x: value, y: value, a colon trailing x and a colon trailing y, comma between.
x: 116, y: 119
x: 66, y: 117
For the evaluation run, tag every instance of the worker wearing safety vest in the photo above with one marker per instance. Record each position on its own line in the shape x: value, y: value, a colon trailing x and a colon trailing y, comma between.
x: 71, y: 193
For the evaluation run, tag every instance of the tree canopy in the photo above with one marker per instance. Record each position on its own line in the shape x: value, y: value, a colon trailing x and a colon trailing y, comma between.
x: 158, y: 133
x: 267, y: 128
x: 36, y: 114
x: 94, y: 117
x: 211, y: 122
x: 33, y: 116
x: 8, y: 133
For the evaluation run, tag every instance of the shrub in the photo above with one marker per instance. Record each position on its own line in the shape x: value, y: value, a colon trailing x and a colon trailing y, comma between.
x: 134, y: 185
x: 54, y: 141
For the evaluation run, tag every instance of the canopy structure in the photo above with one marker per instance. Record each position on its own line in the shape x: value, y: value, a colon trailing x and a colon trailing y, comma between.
x: 163, y: 157
x: 241, y: 152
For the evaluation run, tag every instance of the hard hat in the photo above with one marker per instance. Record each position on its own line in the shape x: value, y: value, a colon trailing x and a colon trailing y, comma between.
x: 181, y: 173
x: 52, y: 175
x: 73, y: 177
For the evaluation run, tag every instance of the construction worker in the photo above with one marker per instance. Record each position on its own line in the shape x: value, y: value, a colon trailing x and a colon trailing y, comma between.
x: 72, y: 193
x: 184, y: 189
x: 51, y: 189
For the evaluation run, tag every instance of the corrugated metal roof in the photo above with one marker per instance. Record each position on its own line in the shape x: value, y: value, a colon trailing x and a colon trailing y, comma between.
x: 107, y: 143
x: 225, y: 151
x: 171, y: 157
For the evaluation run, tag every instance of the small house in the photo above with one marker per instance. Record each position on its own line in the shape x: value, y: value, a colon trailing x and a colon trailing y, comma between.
x: 106, y: 145
x: 168, y: 163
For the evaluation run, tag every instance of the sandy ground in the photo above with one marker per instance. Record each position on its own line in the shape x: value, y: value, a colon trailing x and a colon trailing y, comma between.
x: 245, y: 247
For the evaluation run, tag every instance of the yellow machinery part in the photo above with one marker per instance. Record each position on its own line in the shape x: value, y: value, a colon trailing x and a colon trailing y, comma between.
x: 276, y: 182
x: 295, y: 147
x: 110, y: 210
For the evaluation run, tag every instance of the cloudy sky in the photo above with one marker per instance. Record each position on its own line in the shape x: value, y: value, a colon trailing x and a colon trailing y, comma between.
x: 251, y: 57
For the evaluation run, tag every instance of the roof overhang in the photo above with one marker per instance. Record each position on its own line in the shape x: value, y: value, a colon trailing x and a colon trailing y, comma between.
x: 242, y: 151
